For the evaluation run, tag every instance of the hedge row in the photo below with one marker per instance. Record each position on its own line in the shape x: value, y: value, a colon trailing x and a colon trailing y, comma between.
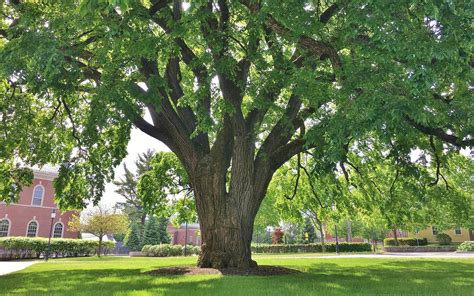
x: 165, y: 250
x: 26, y: 247
x: 467, y: 246
x: 406, y: 241
x: 311, y: 248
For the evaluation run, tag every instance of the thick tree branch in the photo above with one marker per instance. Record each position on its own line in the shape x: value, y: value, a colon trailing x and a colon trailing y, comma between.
x: 440, y: 134
x: 315, y: 47
x: 329, y: 13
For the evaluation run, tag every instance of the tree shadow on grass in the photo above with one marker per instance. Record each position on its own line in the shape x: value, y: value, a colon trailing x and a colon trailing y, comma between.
x: 320, y: 278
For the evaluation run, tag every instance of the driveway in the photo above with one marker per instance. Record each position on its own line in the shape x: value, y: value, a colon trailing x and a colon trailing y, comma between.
x: 12, y: 266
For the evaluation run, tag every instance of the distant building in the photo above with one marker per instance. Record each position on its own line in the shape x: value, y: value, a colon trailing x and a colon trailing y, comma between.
x: 457, y: 234
x: 178, y: 235
x: 31, y: 216
x: 90, y: 236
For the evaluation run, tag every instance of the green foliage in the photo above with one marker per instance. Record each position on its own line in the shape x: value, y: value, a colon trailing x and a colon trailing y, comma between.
x: 467, y: 246
x: 165, y: 177
x: 310, y: 248
x: 156, y: 231
x: 151, y: 234
x: 366, y: 83
x: 443, y: 239
x: 26, y: 247
x: 166, y: 250
x: 406, y: 241
x: 133, y: 238
x: 165, y: 237
x: 119, y: 236
x: 99, y: 221
x: 309, y: 234
x: 127, y: 187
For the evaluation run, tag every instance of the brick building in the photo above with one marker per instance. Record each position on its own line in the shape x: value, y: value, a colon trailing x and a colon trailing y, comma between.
x: 31, y: 216
x: 178, y: 235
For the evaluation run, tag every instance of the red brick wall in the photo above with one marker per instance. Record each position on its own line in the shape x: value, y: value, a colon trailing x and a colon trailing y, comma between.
x: 21, y: 213
x: 178, y: 235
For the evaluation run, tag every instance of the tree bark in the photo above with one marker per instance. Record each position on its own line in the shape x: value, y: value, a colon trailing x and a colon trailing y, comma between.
x: 226, y: 217
x: 100, y: 246
x: 321, y: 232
x: 395, y: 237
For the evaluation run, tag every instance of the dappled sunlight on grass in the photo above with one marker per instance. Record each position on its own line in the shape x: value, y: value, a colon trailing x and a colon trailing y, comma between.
x: 354, y: 276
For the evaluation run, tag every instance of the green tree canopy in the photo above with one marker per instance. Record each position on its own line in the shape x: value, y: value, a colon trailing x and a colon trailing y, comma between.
x: 127, y: 187
x: 133, y: 238
x: 234, y: 88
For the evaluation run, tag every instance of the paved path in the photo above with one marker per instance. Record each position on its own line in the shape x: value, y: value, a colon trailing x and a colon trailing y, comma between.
x: 384, y: 255
x: 9, y: 267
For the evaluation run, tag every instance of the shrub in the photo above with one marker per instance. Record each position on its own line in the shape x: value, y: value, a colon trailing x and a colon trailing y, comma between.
x: 467, y: 246
x: 27, y: 247
x: 406, y: 241
x: 165, y: 250
x: 443, y: 239
x: 310, y: 248
x: 278, y: 236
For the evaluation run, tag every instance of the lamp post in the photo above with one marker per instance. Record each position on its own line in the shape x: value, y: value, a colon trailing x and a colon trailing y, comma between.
x: 185, y: 237
x: 53, y: 215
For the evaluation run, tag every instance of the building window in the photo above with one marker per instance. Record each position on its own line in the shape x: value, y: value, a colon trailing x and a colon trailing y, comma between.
x: 58, y: 230
x: 4, y: 227
x: 38, y: 194
x: 32, y: 229
x: 457, y: 230
x: 434, y: 230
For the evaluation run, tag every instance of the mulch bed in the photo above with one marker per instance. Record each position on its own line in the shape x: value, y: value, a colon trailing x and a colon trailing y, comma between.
x: 262, y: 270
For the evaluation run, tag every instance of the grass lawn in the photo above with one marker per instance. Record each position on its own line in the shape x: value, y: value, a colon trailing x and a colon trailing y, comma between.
x: 353, y: 276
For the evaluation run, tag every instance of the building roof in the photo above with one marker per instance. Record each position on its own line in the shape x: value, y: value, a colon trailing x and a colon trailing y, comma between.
x: 90, y: 236
x: 46, y: 172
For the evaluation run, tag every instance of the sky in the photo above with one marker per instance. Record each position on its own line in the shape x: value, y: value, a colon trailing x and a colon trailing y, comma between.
x: 139, y: 143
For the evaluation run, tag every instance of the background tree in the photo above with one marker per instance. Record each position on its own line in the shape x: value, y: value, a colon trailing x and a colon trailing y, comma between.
x: 133, y: 238
x: 165, y: 237
x: 99, y: 222
x: 127, y: 187
x: 156, y: 232
x: 309, y: 234
x: 151, y: 234
x: 234, y: 88
x: 160, y: 187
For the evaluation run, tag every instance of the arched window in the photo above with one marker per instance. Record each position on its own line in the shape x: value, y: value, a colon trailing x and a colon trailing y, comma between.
x: 32, y: 229
x: 4, y: 227
x: 38, y: 194
x: 58, y: 230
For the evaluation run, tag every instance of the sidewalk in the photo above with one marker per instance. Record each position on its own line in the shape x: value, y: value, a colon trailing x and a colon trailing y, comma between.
x: 385, y: 255
x: 9, y: 267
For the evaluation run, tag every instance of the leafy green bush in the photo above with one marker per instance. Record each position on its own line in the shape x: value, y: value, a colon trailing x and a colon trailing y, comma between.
x: 443, y: 239
x: 467, y: 246
x: 310, y: 248
x: 27, y: 247
x: 165, y: 250
x: 406, y: 241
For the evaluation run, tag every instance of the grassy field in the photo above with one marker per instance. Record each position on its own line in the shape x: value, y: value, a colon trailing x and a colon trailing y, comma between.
x: 354, y: 276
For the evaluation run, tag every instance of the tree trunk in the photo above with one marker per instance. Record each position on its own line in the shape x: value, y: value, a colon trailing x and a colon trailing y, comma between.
x: 143, y: 219
x: 349, y: 231
x: 321, y: 232
x: 226, y: 218
x: 100, y: 246
x: 395, y: 237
